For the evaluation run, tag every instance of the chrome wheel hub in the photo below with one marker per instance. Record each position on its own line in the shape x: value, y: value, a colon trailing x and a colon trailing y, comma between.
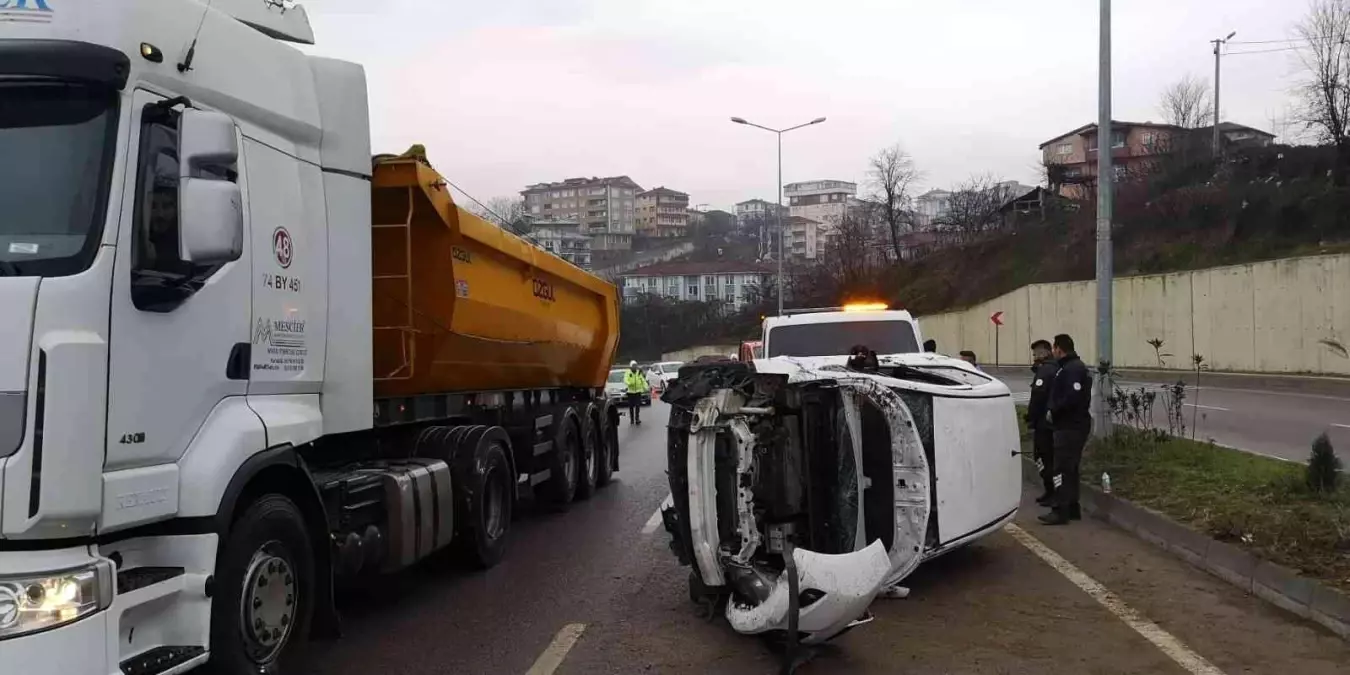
x: 269, y: 603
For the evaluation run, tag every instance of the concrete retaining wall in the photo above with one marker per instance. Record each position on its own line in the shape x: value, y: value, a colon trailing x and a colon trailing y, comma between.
x: 1268, y: 317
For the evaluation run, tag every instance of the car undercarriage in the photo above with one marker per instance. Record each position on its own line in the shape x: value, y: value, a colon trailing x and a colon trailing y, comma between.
x: 796, y: 499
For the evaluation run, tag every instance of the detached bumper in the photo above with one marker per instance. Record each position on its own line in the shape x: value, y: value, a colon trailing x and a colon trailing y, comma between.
x: 843, y: 586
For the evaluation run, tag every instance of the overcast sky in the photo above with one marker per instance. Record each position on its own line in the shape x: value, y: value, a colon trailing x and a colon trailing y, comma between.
x: 512, y: 92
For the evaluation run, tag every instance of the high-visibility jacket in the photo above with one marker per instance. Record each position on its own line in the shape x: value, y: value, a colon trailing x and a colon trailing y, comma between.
x: 635, y: 382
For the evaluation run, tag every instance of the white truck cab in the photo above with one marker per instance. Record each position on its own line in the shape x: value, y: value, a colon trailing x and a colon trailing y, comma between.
x: 191, y: 454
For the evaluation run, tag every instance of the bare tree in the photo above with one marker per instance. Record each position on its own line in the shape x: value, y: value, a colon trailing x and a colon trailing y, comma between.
x: 975, y: 207
x: 1325, y: 92
x: 892, y: 175
x: 1187, y: 103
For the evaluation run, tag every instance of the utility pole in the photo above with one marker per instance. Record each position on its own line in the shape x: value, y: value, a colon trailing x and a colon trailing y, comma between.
x: 1105, y: 188
x: 1218, y: 43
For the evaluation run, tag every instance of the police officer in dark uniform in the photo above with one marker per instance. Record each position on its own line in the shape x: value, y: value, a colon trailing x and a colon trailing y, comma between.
x: 1070, y: 413
x: 1044, y: 368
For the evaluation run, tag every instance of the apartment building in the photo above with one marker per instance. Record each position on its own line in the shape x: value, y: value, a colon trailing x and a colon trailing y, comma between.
x: 823, y: 201
x: 803, y: 240
x: 756, y: 211
x: 1136, y: 148
x: 604, y: 206
x: 728, y: 281
x: 662, y: 212
x: 564, y: 239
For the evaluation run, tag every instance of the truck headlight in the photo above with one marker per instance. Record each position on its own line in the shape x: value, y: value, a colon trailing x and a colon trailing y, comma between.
x: 38, y: 602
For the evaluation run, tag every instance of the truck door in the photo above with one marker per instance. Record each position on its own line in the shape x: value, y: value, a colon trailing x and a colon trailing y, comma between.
x: 174, y: 325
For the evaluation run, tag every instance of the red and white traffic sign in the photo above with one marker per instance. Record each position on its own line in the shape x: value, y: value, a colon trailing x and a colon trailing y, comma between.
x: 997, y: 318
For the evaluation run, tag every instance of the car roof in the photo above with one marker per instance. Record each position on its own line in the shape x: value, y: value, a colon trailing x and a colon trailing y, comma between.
x: 837, y: 317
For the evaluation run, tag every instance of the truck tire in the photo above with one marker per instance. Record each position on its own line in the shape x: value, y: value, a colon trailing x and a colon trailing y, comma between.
x: 564, y: 462
x: 261, y: 614
x: 592, y: 453
x: 610, y: 430
x: 487, y: 488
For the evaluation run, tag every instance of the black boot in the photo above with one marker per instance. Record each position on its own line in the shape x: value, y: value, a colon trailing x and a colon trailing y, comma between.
x: 1056, y: 517
x: 1075, y: 512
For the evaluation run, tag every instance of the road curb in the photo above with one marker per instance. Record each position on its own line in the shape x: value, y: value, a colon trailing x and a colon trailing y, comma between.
x: 1276, y: 584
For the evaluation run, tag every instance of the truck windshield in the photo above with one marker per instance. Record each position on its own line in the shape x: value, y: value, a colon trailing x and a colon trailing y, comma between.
x: 837, y: 338
x: 56, y: 139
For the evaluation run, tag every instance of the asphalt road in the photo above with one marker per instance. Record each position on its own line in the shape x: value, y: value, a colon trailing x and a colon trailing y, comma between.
x: 1277, y: 421
x: 603, y: 586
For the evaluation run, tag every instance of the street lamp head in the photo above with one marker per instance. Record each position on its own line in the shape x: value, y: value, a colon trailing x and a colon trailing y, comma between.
x: 1230, y: 36
x: 739, y: 120
x: 818, y: 120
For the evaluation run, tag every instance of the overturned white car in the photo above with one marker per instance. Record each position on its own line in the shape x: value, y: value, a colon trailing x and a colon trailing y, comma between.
x: 800, y: 494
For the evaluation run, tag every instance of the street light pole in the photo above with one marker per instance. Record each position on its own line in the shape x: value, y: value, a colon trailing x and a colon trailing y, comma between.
x: 1217, y: 44
x: 1105, y: 189
x: 779, y: 213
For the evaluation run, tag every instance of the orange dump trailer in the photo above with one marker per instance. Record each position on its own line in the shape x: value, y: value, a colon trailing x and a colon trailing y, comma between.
x: 461, y: 305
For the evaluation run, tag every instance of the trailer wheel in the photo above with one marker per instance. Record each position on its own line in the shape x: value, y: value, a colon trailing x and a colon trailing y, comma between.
x: 260, y: 618
x: 561, y: 487
x: 610, y: 431
x: 592, y: 454
x: 489, y: 489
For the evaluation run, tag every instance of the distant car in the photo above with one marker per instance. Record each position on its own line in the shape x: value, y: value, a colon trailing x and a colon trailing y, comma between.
x: 663, y: 373
x: 616, y: 390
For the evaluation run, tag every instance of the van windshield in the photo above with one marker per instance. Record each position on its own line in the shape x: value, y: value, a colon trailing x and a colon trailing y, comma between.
x: 616, y: 376
x: 56, y: 141
x: 837, y: 338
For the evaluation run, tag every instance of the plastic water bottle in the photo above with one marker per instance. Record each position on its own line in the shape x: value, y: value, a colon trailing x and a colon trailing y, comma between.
x: 1106, y: 482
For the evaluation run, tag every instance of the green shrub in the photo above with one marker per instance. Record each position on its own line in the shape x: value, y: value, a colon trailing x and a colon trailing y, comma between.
x: 1324, y: 467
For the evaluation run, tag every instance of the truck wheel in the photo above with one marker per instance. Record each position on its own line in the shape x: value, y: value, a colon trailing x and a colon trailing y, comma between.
x: 592, y: 455
x: 261, y: 615
x: 610, y: 431
x: 490, y: 490
x: 561, y: 487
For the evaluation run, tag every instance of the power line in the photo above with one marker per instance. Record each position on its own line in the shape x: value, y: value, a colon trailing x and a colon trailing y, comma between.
x: 1262, y: 51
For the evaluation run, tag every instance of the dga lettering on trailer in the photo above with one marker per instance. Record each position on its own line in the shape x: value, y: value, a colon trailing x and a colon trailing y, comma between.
x: 544, y: 290
x: 461, y: 254
x: 284, y: 342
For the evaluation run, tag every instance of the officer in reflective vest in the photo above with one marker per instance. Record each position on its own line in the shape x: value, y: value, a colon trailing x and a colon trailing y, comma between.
x: 637, y: 385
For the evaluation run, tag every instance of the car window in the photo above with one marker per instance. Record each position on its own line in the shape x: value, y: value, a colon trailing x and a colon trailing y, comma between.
x: 616, y: 376
x: 838, y: 337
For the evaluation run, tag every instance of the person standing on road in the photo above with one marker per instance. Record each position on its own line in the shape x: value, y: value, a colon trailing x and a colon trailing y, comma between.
x: 1043, y: 369
x: 637, y: 385
x: 1071, y: 416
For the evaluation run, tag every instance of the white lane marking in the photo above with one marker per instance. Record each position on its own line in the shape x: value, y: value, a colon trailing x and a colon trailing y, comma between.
x: 655, y: 520
x: 1164, y: 641
x: 557, y: 650
x: 1343, y: 426
x: 1204, y: 407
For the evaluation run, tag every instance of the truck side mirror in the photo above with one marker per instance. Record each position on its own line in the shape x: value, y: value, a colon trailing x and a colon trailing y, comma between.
x: 211, y: 212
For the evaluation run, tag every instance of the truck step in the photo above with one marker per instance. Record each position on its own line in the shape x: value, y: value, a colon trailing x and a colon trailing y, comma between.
x: 140, y: 577
x: 164, y: 661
